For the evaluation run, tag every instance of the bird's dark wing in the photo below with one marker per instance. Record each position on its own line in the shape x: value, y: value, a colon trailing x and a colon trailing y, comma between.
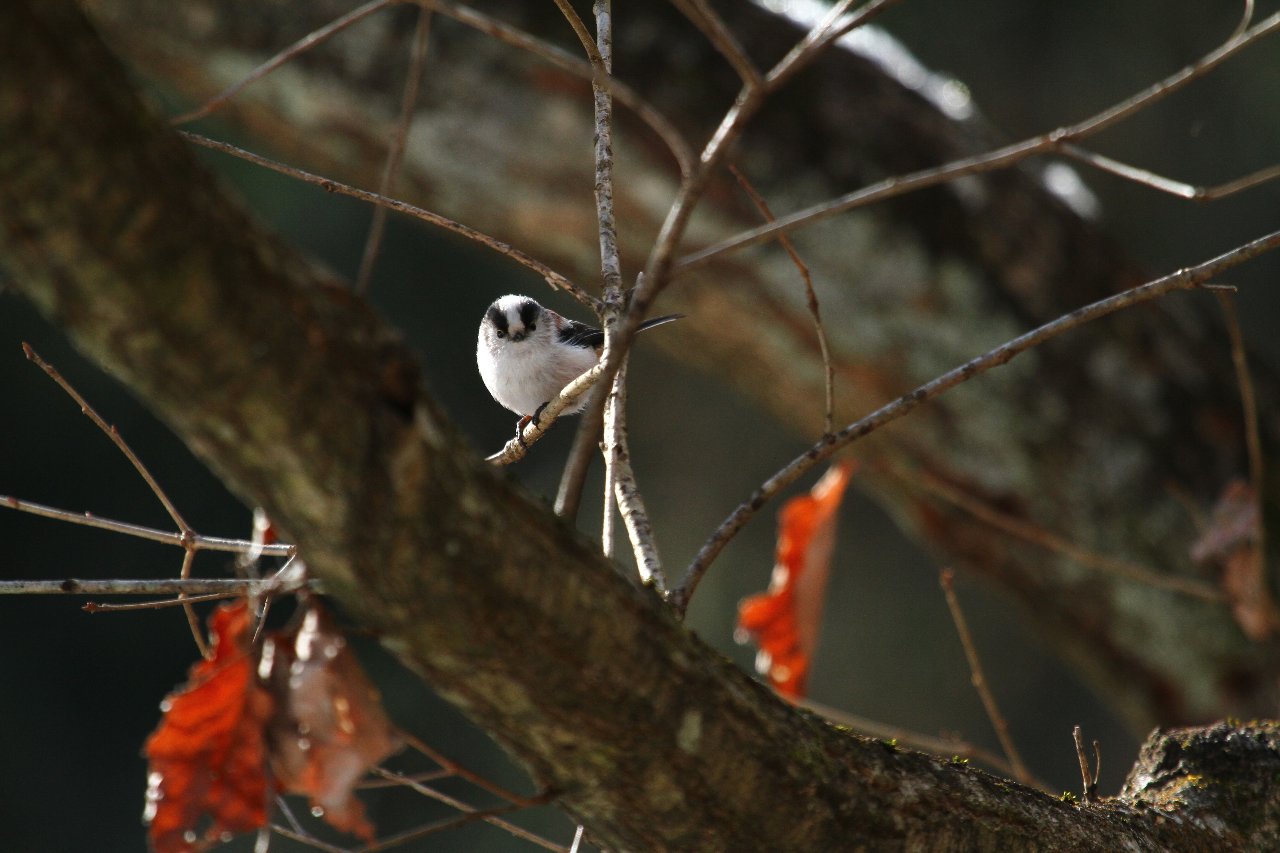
x: 578, y: 334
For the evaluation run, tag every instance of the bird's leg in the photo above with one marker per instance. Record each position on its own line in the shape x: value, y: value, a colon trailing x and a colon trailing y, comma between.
x: 525, y: 421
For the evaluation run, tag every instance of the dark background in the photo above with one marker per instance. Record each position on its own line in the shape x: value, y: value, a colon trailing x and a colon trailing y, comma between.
x: 79, y: 693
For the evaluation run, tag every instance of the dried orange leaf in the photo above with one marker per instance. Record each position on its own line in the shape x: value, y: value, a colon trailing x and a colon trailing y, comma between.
x: 784, y: 621
x: 1232, y: 541
x: 208, y: 755
x: 330, y: 728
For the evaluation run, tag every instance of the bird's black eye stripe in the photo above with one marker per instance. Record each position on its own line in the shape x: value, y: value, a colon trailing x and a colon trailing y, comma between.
x: 529, y: 311
x: 499, y: 320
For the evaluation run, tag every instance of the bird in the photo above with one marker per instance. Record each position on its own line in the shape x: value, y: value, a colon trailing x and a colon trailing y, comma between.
x: 527, y: 354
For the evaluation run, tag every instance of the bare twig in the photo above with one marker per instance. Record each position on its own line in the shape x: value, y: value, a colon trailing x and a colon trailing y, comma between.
x: 713, y: 27
x: 301, y: 46
x: 554, y: 279
x: 442, y: 825
x: 979, y: 679
x: 586, y: 444
x: 88, y: 586
x: 625, y: 490
x: 193, y: 621
x: 584, y: 36
x: 1185, y: 279
x: 1249, y: 402
x: 1089, y: 778
x: 453, y: 802
x: 989, y: 161
x: 200, y: 542
x: 943, y: 746
x: 395, y: 151
x: 1030, y: 532
x: 815, y: 310
x: 462, y: 772
x: 112, y: 433
x: 306, y: 838
x: 1191, y: 192
x: 627, y: 96
x: 1245, y: 20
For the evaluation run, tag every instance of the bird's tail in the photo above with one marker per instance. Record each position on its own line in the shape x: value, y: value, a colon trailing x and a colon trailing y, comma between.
x: 658, y: 321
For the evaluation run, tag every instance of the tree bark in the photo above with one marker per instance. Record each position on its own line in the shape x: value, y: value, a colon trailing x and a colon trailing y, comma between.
x: 1089, y: 438
x: 307, y: 405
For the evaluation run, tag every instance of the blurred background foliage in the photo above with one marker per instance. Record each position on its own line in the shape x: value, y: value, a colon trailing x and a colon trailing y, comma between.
x: 79, y: 693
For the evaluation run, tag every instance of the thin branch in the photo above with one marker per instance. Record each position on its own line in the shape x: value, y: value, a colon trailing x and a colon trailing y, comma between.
x: 627, y: 96
x: 1249, y: 402
x: 438, y: 826
x: 439, y: 796
x: 198, y: 541
x: 1088, y: 777
x: 823, y: 35
x: 462, y: 772
x: 554, y: 279
x: 85, y: 586
x: 395, y: 152
x: 713, y: 27
x: 185, y: 602
x: 1028, y: 531
x: 815, y: 311
x: 586, y: 443
x: 635, y: 517
x: 300, y: 46
x: 584, y: 36
x: 942, y: 746
x: 1185, y: 279
x: 113, y: 434
x: 979, y: 679
x: 307, y: 839
x: 608, y: 528
x: 989, y: 161
x: 193, y: 621
x: 1191, y: 192
x: 1245, y: 19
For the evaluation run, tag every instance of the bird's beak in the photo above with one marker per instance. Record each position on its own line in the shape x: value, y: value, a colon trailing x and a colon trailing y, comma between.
x: 517, y: 336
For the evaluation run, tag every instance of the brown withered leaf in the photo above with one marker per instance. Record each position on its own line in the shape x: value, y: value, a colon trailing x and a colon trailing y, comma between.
x: 1232, y: 542
x: 330, y: 728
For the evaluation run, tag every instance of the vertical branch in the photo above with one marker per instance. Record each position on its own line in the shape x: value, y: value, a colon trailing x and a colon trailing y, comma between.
x: 586, y: 442
x: 395, y: 153
x: 980, y: 681
x: 635, y: 517
x: 815, y: 311
x: 1248, y: 401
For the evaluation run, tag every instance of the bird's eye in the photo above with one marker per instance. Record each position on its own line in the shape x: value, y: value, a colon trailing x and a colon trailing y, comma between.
x: 533, y: 326
x: 501, y: 334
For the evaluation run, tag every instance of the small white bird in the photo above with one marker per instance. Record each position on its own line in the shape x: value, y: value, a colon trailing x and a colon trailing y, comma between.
x: 527, y: 353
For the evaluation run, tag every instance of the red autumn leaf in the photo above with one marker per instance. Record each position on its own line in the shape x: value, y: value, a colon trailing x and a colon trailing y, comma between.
x: 784, y: 621
x: 1231, y: 541
x: 208, y: 755
x: 330, y: 727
